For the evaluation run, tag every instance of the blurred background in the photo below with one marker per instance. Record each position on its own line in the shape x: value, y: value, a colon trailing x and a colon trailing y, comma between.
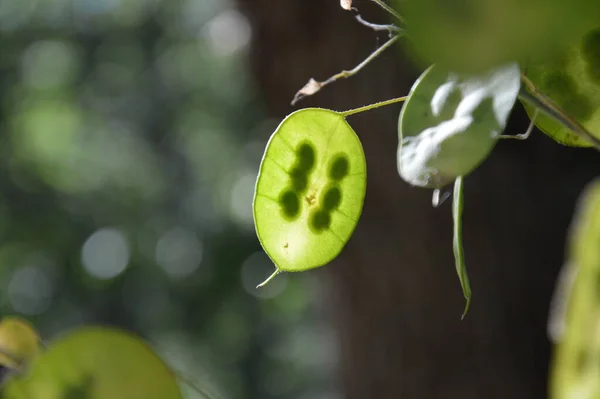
x: 131, y: 136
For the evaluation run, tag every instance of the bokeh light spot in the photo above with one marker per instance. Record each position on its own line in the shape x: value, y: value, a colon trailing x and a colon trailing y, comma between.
x: 30, y: 290
x: 227, y: 33
x: 179, y: 252
x: 48, y: 64
x: 105, y: 254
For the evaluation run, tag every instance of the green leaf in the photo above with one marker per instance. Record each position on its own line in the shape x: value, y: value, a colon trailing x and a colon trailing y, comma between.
x: 475, y: 35
x: 572, y: 80
x: 19, y: 342
x: 576, y: 363
x: 459, y: 256
x: 95, y: 363
x: 450, y: 123
x: 310, y: 189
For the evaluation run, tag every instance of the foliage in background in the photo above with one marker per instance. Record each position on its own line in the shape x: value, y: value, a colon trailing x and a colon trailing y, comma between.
x: 126, y: 186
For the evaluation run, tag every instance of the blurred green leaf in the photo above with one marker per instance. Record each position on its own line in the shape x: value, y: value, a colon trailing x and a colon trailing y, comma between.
x: 576, y: 363
x: 459, y: 255
x: 572, y: 80
x: 475, y: 35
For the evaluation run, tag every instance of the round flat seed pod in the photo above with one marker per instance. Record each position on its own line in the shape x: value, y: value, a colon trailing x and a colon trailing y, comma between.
x: 310, y: 189
x: 450, y: 123
x: 95, y: 363
x: 572, y: 80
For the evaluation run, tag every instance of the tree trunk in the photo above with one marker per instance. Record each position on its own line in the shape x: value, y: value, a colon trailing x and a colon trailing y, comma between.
x: 396, y: 298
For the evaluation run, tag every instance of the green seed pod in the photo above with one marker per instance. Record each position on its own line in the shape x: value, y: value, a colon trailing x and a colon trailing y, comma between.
x: 310, y: 189
x: 95, y: 363
x: 450, y: 123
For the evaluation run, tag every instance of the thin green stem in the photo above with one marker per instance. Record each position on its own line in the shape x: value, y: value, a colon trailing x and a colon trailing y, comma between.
x: 532, y: 96
x: 389, y: 10
x: 365, y: 62
x: 459, y: 255
x: 271, y: 277
x: 527, y: 133
x: 313, y: 86
x: 373, y: 106
x: 391, y: 28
